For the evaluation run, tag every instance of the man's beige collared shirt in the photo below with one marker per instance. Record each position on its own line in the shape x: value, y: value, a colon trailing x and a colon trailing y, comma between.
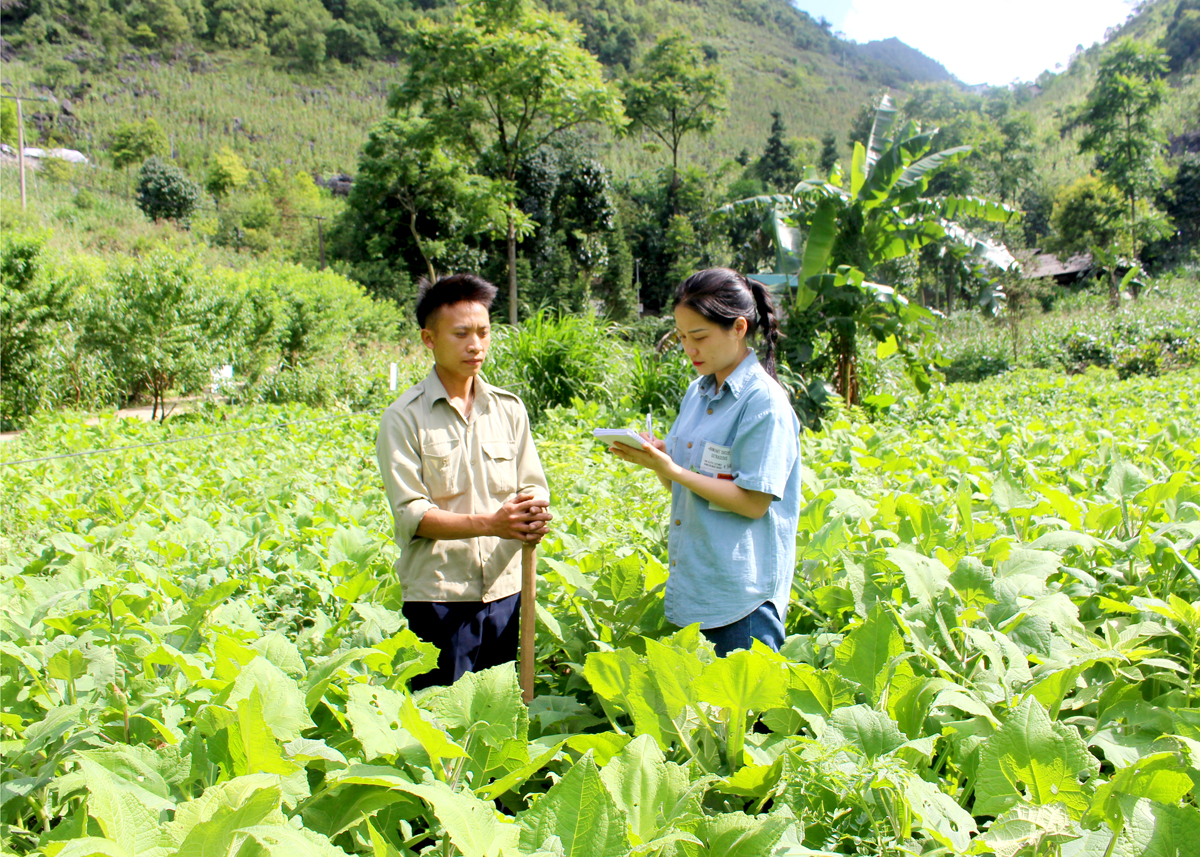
x: 431, y: 456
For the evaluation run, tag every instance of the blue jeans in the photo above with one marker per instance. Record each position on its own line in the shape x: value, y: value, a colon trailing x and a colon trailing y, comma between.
x: 762, y: 624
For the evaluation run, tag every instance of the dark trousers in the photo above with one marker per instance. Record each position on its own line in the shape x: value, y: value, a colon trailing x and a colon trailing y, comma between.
x: 470, y: 635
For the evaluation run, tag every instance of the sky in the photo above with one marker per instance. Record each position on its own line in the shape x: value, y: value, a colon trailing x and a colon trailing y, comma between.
x: 993, y: 42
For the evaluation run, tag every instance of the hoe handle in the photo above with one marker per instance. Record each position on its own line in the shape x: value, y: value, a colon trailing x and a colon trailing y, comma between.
x: 528, y: 617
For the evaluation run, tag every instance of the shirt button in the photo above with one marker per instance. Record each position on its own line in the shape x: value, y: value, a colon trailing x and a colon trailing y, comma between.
x: 710, y: 410
x: 672, y: 562
x: 677, y: 522
x: 689, y: 444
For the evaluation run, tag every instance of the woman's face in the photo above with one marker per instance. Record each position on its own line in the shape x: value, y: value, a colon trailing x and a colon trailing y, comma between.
x: 713, y: 350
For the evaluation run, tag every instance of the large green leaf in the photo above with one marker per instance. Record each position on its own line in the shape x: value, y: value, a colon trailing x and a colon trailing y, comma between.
x: 281, y: 840
x: 284, y: 708
x: 822, y: 232
x: 252, y: 747
x: 1027, y: 827
x: 1160, y: 777
x: 918, y: 170
x: 939, y: 813
x: 578, y: 810
x: 871, y: 731
x: 1033, y: 758
x: 865, y: 654
x: 217, y: 833
x: 653, y: 793
x: 736, y: 834
x: 484, y: 713
x: 123, y: 817
x: 374, y: 715
x: 924, y: 577
x: 1150, y: 830
x: 740, y: 683
x: 881, y: 127
x: 472, y: 824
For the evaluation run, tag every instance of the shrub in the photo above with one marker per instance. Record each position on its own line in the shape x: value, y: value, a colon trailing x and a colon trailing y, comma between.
x: 165, y: 193
x: 658, y: 381
x: 976, y: 366
x: 550, y: 360
x: 292, y: 316
x: 32, y: 304
x: 57, y: 170
x: 161, y: 324
x: 134, y: 142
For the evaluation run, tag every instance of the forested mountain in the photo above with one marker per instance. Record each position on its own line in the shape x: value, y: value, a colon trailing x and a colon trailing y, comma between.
x: 301, y: 80
x: 252, y: 99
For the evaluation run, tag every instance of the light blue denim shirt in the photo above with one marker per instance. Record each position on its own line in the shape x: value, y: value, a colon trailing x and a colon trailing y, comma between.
x: 724, y: 565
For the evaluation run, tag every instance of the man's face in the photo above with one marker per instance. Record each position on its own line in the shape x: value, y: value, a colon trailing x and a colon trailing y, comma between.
x: 458, y: 335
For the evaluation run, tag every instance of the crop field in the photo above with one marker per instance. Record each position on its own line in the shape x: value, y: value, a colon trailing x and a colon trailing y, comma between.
x: 994, y: 647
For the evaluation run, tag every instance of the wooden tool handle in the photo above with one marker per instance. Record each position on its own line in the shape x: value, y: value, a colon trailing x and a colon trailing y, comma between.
x: 528, y: 618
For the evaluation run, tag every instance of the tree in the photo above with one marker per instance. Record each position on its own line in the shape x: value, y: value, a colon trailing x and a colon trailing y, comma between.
x: 829, y: 154
x: 777, y: 165
x: 165, y: 193
x: 225, y: 173
x: 412, y: 193
x: 881, y: 213
x: 1087, y: 214
x: 675, y: 93
x: 134, y: 142
x: 1119, y: 112
x: 1182, y: 40
x: 1184, y: 200
x: 159, y: 325
x: 499, y: 81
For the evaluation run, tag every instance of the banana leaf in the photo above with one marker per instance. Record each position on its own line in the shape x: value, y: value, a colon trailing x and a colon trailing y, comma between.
x: 885, y: 115
x: 915, y: 172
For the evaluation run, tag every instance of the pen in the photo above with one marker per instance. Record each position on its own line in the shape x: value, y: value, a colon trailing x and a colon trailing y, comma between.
x: 649, y: 426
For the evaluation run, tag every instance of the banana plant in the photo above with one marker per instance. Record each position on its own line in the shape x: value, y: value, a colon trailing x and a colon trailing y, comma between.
x: 832, y: 234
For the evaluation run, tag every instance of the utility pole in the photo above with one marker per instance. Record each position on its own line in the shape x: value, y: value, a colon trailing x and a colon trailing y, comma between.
x: 21, y: 140
x: 21, y: 151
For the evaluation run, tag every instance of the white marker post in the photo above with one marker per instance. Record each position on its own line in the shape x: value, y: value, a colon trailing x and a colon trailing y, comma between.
x: 392, y: 381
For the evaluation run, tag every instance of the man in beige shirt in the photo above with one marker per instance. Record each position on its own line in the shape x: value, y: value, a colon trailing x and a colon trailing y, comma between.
x: 465, y: 486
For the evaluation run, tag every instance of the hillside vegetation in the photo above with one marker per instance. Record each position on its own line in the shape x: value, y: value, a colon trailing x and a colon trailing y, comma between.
x: 239, y: 75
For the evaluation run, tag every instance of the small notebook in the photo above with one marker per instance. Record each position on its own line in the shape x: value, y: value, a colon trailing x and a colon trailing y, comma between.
x: 626, y: 436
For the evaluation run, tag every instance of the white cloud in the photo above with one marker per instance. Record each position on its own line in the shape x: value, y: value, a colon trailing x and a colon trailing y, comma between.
x: 983, y: 42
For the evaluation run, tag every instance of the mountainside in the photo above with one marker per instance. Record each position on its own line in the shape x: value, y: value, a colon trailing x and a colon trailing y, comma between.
x: 257, y: 78
x: 908, y: 64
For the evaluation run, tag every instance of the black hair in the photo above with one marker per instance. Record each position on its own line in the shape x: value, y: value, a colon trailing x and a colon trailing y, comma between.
x: 453, y: 289
x: 722, y: 296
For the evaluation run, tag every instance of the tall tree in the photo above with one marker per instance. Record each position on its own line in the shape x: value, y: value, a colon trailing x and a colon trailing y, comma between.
x: 1120, y: 112
x: 829, y: 154
x: 500, y: 80
x: 411, y: 193
x: 676, y: 92
x: 777, y: 166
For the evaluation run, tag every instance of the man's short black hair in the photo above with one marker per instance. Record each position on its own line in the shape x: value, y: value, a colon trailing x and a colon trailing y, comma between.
x: 453, y: 289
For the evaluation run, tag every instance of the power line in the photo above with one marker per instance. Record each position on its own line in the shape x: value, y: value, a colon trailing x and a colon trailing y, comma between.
x: 183, y: 439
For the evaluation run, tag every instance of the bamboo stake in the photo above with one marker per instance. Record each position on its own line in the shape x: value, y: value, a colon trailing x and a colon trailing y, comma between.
x: 528, y: 618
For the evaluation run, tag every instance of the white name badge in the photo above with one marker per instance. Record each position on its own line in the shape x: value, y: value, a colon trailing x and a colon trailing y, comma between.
x: 717, y: 460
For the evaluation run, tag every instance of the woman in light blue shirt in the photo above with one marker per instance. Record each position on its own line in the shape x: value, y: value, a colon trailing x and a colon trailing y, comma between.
x: 732, y: 465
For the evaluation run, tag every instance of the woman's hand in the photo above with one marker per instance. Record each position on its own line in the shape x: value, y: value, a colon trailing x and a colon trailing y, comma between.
x: 653, y: 456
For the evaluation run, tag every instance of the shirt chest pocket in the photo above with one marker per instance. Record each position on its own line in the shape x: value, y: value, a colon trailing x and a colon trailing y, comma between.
x: 441, y: 466
x: 500, y: 459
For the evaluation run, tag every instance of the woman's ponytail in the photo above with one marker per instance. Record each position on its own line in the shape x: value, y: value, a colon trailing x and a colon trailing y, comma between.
x: 768, y: 324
